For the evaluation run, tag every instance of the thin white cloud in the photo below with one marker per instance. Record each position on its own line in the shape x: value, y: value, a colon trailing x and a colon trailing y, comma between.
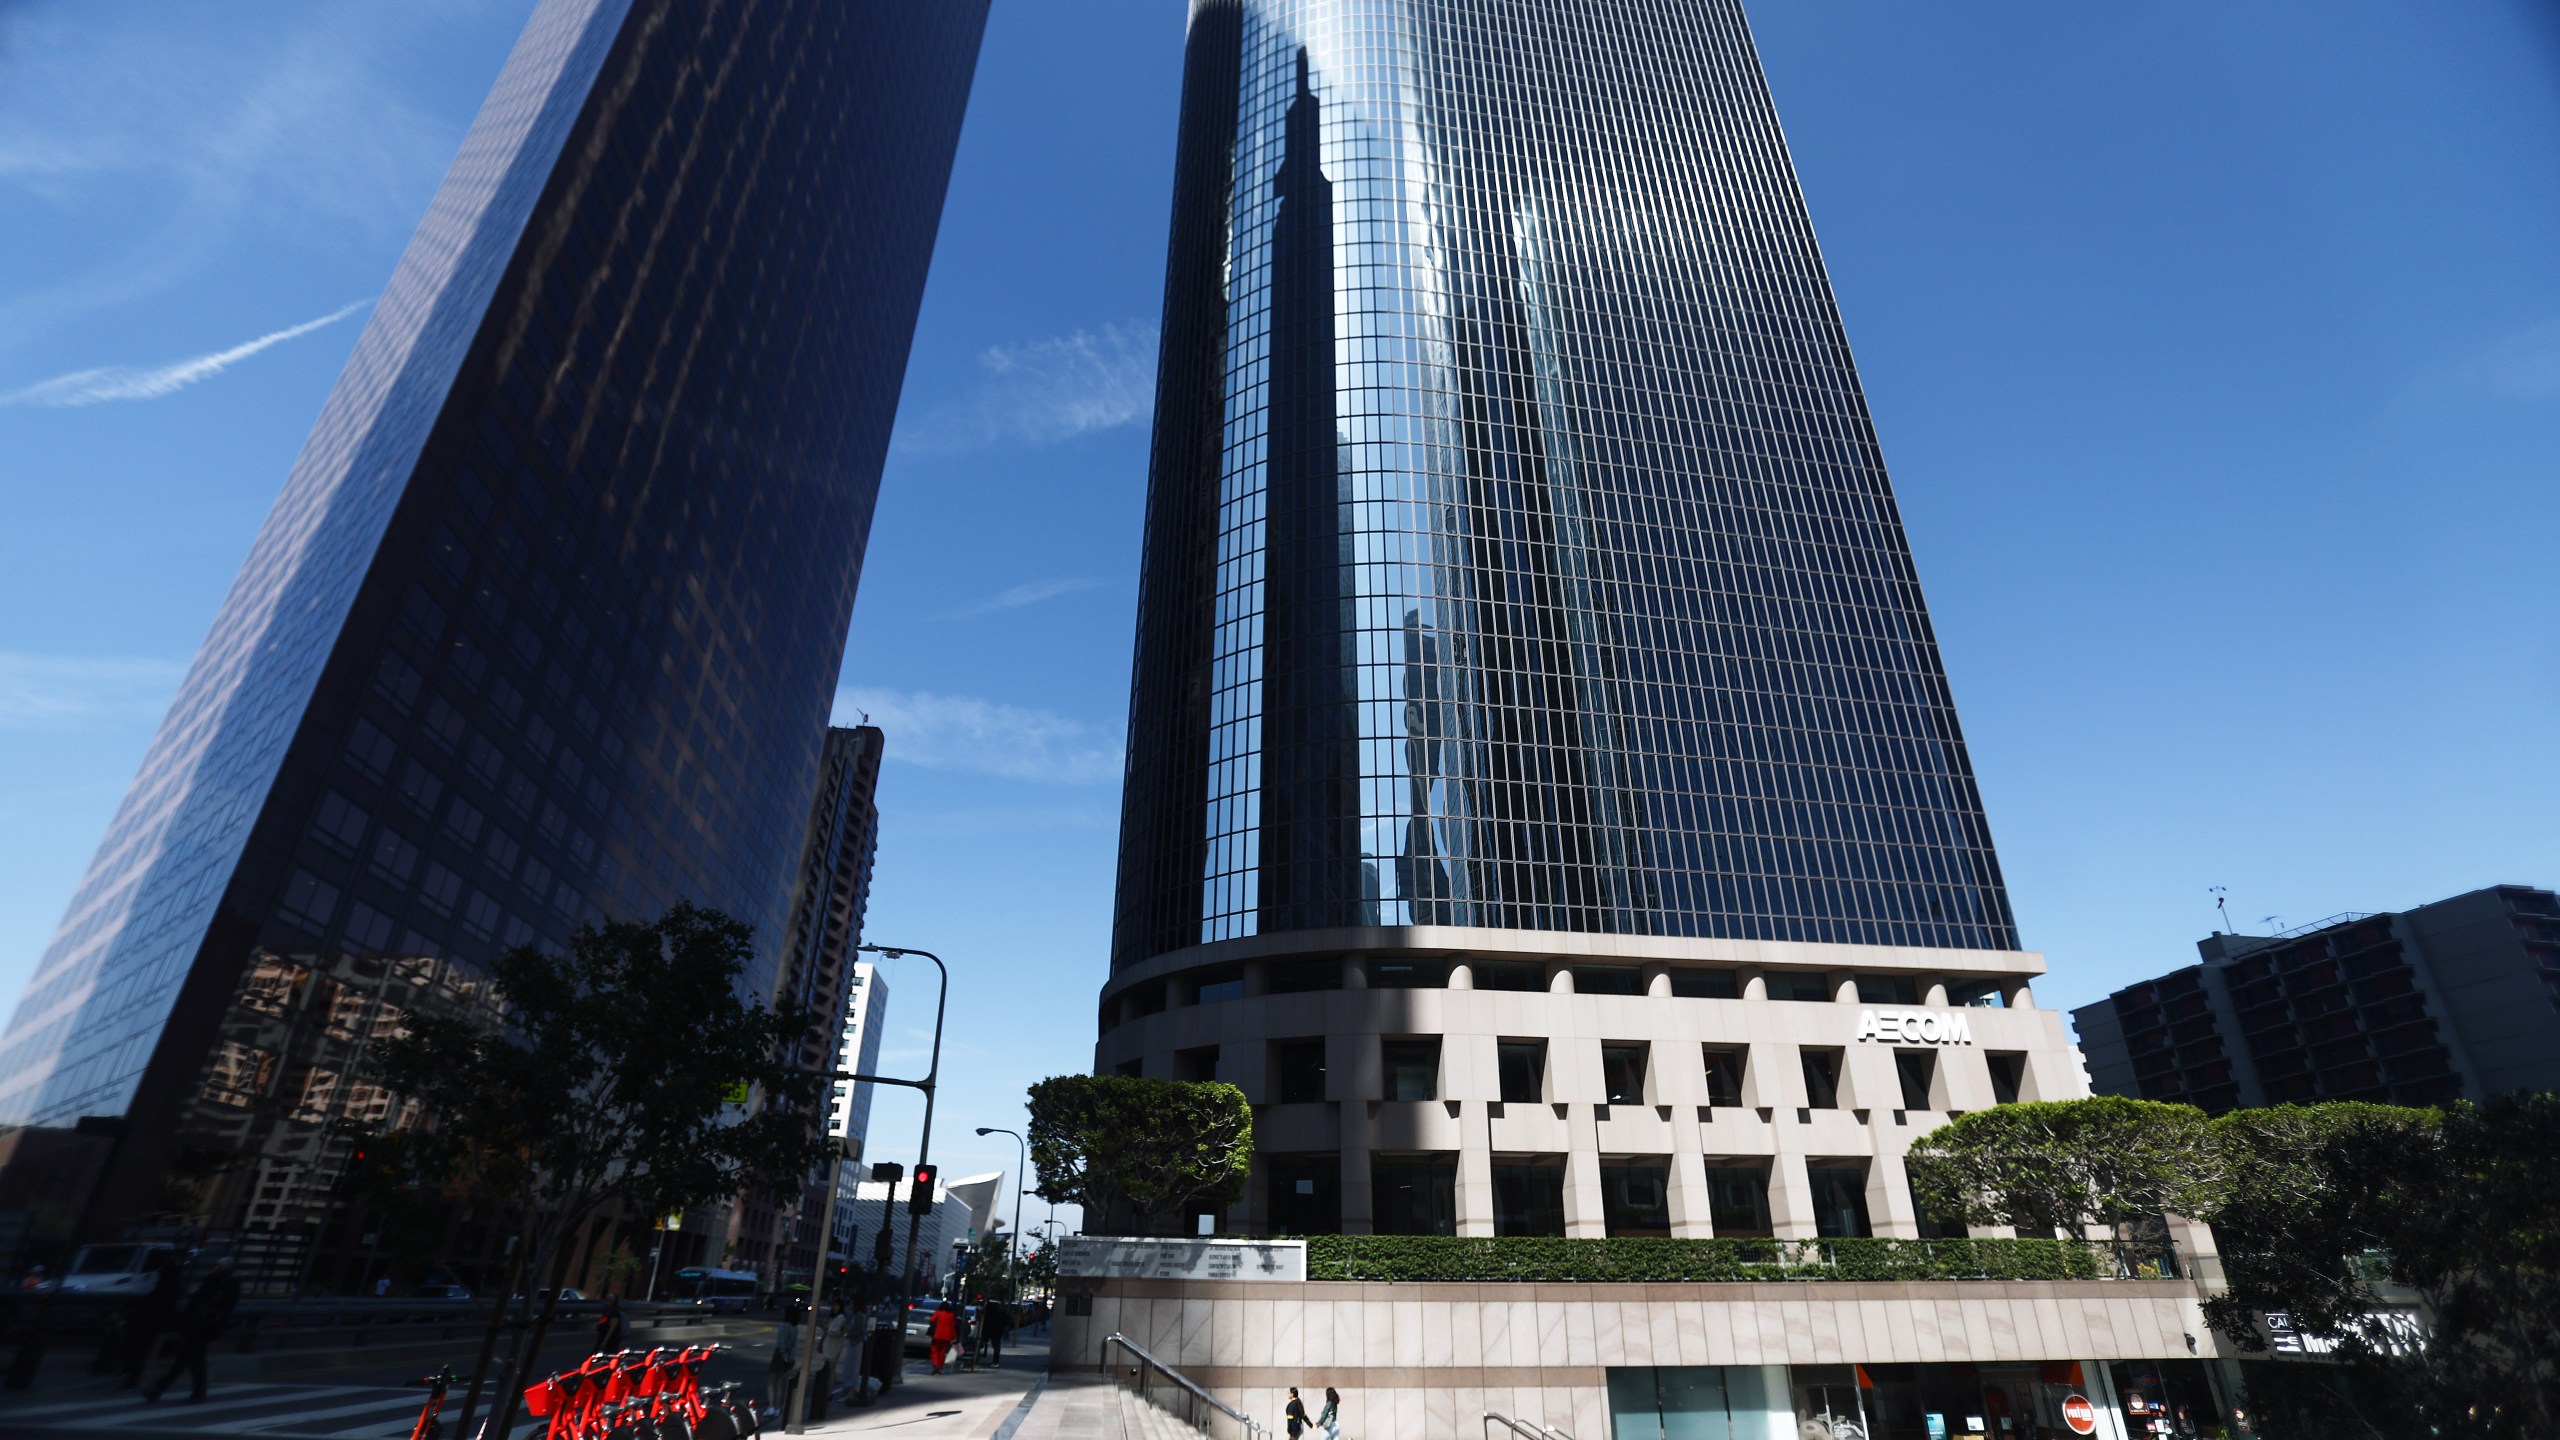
x: 125, y: 382
x: 45, y: 690
x: 1016, y: 596
x: 1043, y: 391
x: 981, y: 737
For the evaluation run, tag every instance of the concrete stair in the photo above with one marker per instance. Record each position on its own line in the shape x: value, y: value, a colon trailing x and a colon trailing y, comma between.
x: 1141, y: 1419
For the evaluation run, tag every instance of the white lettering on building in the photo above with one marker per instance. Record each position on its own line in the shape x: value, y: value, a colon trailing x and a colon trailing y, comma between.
x: 1916, y: 1027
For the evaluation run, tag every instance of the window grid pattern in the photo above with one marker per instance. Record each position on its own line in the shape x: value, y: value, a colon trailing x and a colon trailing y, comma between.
x: 1553, y: 577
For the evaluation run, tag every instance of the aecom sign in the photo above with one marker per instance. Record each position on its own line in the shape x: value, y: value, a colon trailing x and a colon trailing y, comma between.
x: 1916, y: 1027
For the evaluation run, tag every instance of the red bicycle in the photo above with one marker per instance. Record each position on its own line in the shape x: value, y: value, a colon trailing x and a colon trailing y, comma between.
x: 430, y: 1424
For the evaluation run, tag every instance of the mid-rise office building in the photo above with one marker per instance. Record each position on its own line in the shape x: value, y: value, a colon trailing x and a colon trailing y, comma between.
x: 2455, y: 1000
x: 1545, y: 797
x: 547, y: 621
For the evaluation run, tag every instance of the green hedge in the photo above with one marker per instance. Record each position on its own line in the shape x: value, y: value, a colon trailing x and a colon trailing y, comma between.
x: 1629, y: 1260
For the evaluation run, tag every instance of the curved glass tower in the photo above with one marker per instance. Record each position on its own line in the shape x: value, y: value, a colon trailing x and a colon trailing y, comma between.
x: 1521, y: 572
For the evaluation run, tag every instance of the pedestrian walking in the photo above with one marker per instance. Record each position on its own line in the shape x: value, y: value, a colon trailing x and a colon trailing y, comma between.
x: 1295, y: 1412
x: 945, y: 1333
x: 206, y: 1312
x: 1329, y: 1419
x: 609, y: 1325
x: 152, y: 1315
x: 996, y: 1322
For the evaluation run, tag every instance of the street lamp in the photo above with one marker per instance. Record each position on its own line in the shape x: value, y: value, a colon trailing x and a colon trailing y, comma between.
x: 1013, y: 1242
x: 795, y: 1413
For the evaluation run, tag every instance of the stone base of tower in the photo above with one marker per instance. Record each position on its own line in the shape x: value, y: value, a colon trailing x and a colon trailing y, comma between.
x: 1479, y: 1082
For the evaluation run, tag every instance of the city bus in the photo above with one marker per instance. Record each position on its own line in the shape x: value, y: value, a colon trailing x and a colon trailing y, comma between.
x: 725, y: 1290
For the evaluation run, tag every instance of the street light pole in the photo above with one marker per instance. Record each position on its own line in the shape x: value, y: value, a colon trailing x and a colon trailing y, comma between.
x: 795, y: 1414
x: 924, y: 1146
x: 1022, y: 1172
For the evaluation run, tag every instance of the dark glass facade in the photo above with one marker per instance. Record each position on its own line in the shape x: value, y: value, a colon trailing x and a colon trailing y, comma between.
x: 546, y: 624
x: 1519, y: 552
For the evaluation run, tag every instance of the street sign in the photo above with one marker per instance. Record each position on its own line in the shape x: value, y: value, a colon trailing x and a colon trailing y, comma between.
x: 2080, y: 1415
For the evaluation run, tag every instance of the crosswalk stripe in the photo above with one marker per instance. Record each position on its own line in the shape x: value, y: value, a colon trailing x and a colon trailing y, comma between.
x: 132, y: 1400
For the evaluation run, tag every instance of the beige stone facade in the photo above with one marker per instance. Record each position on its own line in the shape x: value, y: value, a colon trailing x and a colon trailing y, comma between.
x: 1429, y: 1359
x: 1965, y: 1020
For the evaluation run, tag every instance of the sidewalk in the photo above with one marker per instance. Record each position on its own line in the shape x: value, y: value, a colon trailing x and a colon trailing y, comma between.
x: 960, y: 1405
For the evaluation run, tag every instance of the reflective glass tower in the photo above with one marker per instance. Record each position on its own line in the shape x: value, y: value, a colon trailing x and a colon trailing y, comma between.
x: 546, y: 623
x: 1521, y: 574
x: 1519, y: 551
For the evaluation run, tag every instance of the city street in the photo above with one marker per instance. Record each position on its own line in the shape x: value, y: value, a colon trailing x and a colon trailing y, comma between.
x: 380, y: 1405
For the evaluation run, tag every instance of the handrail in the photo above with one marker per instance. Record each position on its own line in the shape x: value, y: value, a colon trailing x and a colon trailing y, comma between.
x: 1525, y: 1429
x: 1178, y: 1378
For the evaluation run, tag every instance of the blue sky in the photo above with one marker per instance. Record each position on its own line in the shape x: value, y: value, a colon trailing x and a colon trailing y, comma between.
x: 2215, y: 351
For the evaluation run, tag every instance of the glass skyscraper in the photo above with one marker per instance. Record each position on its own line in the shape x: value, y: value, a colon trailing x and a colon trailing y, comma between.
x: 1521, y: 574
x: 546, y: 623
x: 1519, y: 550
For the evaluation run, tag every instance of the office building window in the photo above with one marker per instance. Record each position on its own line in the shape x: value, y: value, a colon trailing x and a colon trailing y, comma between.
x: 1224, y: 985
x: 1408, y: 975
x: 2008, y: 1075
x: 1510, y: 975
x: 1798, y: 985
x: 1300, y: 1065
x: 1528, y: 1195
x: 1411, y: 1069
x: 1822, y: 1079
x: 1839, y: 1198
x: 1608, y: 980
x: 1918, y: 1071
x: 1622, y: 1064
x: 1705, y: 984
x: 1414, y: 1194
x: 1888, y: 990
x: 1724, y: 1075
x: 1304, y: 1193
x: 1738, y: 1199
x: 1523, y: 1064
x: 1635, y: 1196
x: 1196, y: 1064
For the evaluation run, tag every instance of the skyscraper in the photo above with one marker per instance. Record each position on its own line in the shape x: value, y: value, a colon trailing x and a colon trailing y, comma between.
x: 546, y: 622
x: 822, y: 979
x: 1525, y: 607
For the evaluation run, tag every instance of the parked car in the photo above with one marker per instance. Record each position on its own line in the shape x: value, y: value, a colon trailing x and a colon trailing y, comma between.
x: 442, y: 1292
x: 109, y: 1271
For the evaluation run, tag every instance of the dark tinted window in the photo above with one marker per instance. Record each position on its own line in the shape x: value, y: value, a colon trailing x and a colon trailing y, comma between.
x: 1724, y: 1076
x: 1622, y: 1072
x: 1839, y: 1197
x: 1510, y: 975
x: 1408, y: 974
x: 1918, y: 1071
x: 1888, y: 990
x: 1414, y: 1195
x: 2008, y: 1073
x: 1608, y: 980
x: 1528, y: 1195
x: 1635, y: 1197
x: 1798, y: 985
x: 1524, y: 1071
x: 1738, y: 1199
x: 1301, y: 1067
x: 1411, y: 1069
x: 1822, y: 1079
x: 1705, y: 984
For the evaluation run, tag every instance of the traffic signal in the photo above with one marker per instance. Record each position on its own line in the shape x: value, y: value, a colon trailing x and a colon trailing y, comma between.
x: 920, y: 1194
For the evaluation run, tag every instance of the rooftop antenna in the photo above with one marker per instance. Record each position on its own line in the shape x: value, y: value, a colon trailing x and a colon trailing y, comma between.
x: 2222, y: 907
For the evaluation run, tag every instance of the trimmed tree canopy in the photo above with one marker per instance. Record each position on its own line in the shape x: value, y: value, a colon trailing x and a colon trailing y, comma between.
x: 2060, y: 1165
x: 1157, y: 1147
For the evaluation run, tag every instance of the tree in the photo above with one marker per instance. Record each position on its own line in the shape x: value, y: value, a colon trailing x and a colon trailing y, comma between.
x: 606, y: 1077
x: 1155, y: 1147
x: 2332, y: 1206
x: 2065, y: 1164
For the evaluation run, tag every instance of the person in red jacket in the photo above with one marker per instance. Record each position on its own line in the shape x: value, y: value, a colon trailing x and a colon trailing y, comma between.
x: 946, y: 1333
